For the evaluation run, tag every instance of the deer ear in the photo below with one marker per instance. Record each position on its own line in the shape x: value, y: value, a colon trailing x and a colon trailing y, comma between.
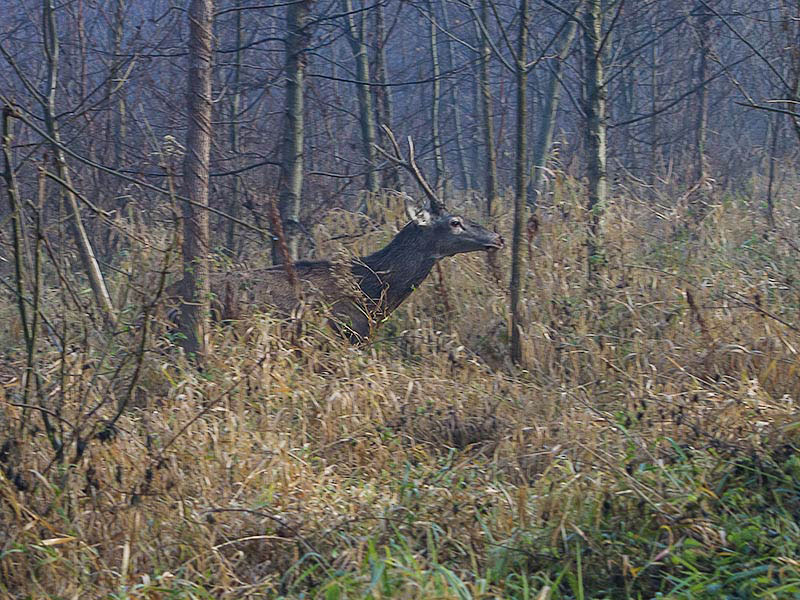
x: 420, y: 216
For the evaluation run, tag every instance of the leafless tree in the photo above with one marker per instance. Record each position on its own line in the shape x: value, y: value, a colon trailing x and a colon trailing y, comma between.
x: 196, y: 290
x: 520, y: 187
x: 356, y: 30
x: 595, y: 110
x: 547, y: 120
x: 291, y: 177
x: 488, y: 111
x: 48, y: 99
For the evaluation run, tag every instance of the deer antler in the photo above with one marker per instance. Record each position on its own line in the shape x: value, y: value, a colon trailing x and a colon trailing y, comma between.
x: 436, y: 205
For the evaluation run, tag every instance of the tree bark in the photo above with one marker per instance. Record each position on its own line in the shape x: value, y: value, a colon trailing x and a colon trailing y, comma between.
x: 196, y: 290
x: 383, y: 95
x: 548, y: 118
x: 488, y: 115
x: 291, y: 177
x: 436, y: 100
x: 76, y: 228
x: 115, y: 122
x: 775, y: 121
x: 17, y: 221
x: 654, y: 92
x: 700, y: 198
x: 233, y: 132
x: 790, y: 17
x: 519, y: 195
x: 466, y: 178
x: 366, y: 113
x: 115, y: 127
x: 595, y: 110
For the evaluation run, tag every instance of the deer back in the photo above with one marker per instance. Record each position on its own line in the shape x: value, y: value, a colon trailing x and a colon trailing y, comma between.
x: 325, y: 286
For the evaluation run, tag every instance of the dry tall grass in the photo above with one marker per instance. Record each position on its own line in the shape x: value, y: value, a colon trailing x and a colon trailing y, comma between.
x: 425, y: 465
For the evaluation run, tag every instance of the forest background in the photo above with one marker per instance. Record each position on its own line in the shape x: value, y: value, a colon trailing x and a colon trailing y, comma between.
x: 605, y: 409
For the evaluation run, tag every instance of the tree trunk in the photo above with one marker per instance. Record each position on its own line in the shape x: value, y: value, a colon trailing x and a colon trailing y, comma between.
x: 700, y: 198
x: 438, y: 159
x: 383, y: 95
x: 291, y: 178
x: 235, y: 201
x: 595, y: 132
x: 654, y: 91
x: 366, y: 112
x: 548, y: 119
x: 789, y: 19
x: 775, y: 127
x: 466, y: 179
x: 115, y: 122
x: 76, y: 228
x: 18, y: 237
x: 626, y: 107
x: 475, y: 137
x: 488, y: 115
x: 519, y: 192
x: 115, y: 128
x: 196, y: 290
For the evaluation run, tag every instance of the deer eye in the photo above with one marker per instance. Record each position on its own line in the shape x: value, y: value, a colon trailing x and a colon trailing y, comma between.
x: 455, y: 224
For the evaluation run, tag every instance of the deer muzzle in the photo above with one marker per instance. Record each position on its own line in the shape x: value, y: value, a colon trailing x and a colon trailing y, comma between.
x: 497, y: 243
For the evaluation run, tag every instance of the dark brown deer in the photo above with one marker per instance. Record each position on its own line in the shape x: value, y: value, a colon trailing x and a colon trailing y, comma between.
x: 359, y: 294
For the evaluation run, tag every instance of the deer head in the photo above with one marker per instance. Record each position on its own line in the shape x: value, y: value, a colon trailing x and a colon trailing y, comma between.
x: 448, y: 234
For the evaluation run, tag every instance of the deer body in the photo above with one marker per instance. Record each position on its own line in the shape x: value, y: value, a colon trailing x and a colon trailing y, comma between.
x: 359, y: 295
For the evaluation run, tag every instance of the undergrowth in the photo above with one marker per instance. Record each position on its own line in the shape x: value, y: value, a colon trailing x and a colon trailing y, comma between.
x: 648, y: 448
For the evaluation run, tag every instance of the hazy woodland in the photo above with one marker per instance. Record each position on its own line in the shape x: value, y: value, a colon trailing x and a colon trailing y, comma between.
x: 605, y: 408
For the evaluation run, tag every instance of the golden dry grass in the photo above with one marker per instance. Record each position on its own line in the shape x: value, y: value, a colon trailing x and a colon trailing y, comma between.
x: 293, y: 464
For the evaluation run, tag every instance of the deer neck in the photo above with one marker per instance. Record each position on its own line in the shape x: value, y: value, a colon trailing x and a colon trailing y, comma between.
x: 389, y: 275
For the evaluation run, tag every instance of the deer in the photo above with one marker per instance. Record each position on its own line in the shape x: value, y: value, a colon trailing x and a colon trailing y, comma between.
x: 360, y: 295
